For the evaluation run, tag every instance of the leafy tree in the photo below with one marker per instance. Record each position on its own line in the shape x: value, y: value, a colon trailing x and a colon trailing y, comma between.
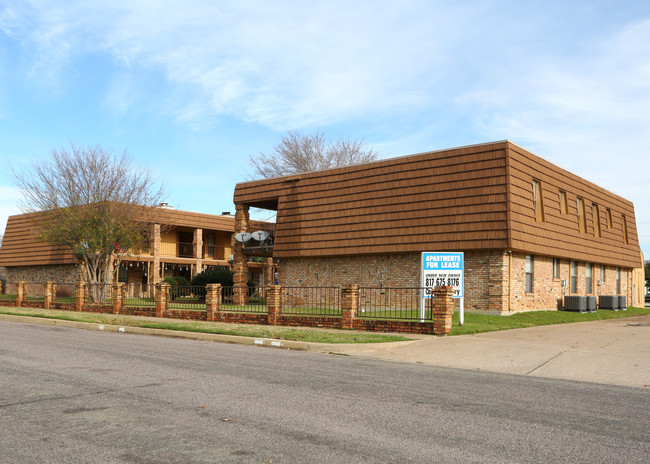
x: 93, y: 202
x: 296, y: 153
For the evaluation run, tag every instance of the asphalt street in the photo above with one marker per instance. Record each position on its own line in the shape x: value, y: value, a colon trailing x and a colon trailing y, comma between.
x: 78, y: 396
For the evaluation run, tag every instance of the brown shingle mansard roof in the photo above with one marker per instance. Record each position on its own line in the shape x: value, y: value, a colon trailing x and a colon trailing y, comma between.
x: 467, y: 198
x: 21, y: 247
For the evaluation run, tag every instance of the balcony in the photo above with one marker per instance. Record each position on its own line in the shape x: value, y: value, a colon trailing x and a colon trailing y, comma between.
x: 185, y: 250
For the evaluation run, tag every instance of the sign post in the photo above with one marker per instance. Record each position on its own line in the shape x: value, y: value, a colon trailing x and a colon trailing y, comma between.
x: 443, y: 269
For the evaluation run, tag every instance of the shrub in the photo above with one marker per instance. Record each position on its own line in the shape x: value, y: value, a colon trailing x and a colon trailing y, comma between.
x: 216, y: 275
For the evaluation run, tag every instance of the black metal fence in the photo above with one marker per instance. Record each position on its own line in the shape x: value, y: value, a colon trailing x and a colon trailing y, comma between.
x: 140, y: 295
x: 394, y: 303
x: 8, y: 291
x: 99, y: 294
x: 187, y: 297
x: 256, y: 300
x: 64, y: 293
x: 311, y: 301
x: 35, y: 291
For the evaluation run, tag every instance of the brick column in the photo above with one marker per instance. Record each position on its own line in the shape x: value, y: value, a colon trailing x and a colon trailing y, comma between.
x: 118, y: 297
x: 80, y: 295
x: 21, y: 293
x: 349, y: 305
x: 197, y: 242
x: 162, y: 299
x: 213, y: 302
x: 48, y: 294
x: 269, y: 277
x: 274, y: 304
x: 443, y: 309
x: 240, y: 266
x: 155, y: 268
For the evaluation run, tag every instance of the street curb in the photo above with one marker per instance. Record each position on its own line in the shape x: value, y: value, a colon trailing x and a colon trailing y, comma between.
x: 232, y: 339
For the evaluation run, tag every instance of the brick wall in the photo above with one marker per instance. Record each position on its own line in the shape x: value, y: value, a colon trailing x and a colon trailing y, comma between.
x: 55, y: 273
x: 494, y: 280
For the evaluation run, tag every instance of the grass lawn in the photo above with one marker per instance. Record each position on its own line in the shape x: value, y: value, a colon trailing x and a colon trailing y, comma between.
x: 282, y: 333
x: 476, y: 323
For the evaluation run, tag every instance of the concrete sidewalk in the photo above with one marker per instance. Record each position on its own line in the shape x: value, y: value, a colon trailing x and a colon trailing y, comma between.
x: 615, y: 351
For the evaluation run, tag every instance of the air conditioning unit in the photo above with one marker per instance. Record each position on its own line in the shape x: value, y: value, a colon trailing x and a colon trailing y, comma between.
x: 591, y: 304
x: 575, y: 303
x: 622, y: 302
x: 608, y: 302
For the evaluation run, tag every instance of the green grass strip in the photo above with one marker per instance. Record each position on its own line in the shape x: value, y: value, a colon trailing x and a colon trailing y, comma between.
x: 282, y: 333
x: 477, y: 323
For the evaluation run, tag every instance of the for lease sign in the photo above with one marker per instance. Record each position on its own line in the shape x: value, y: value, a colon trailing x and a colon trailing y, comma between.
x: 440, y: 269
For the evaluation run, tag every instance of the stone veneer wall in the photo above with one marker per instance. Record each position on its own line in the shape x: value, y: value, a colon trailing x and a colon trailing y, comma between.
x: 64, y: 273
x: 490, y: 283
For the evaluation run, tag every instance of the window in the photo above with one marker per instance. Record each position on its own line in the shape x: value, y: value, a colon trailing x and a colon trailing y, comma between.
x: 123, y: 274
x: 625, y: 238
x: 609, y: 218
x: 556, y: 268
x: 574, y: 277
x: 618, y: 280
x: 529, y: 274
x: 582, y: 223
x: 588, y: 281
x: 563, y: 203
x: 211, y: 246
x: 537, y: 201
x: 596, y: 220
x: 602, y: 273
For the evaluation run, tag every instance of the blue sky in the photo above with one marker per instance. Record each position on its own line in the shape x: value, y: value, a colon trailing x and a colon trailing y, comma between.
x: 192, y: 88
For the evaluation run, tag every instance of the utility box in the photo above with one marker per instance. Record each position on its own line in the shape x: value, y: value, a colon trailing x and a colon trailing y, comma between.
x: 622, y: 302
x: 608, y: 302
x: 575, y: 303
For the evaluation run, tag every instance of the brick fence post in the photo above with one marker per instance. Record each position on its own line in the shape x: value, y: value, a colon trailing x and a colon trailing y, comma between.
x: 213, y: 302
x: 162, y: 299
x: 21, y: 293
x: 79, y: 295
x: 349, y: 305
x: 118, y: 297
x: 48, y: 294
x: 274, y: 304
x: 443, y: 309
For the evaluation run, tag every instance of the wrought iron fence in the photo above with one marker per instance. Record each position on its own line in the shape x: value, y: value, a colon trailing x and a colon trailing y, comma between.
x: 394, y: 303
x: 187, y: 297
x: 34, y: 291
x: 99, y: 294
x: 8, y: 291
x: 64, y: 293
x: 140, y: 295
x: 256, y: 300
x: 311, y: 301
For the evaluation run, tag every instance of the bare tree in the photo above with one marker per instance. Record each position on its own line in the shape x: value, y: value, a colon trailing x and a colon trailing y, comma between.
x: 97, y: 204
x: 296, y: 153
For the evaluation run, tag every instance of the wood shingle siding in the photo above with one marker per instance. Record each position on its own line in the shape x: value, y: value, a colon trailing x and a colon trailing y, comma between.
x: 469, y: 198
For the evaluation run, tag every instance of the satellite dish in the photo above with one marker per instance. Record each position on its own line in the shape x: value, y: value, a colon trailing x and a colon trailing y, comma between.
x: 260, y: 235
x: 243, y: 237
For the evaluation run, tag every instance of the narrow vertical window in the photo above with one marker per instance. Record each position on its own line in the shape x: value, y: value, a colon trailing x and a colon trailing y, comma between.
x: 596, y: 220
x: 627, y: 242
x: 529, y: 274
x: 556, y: 268
x: 602, y: 273
x: 582, y: 223
x: 574, y: 277
x: 537, y: 201
x: 563, y: 202
x: 609, y: 218
x: 588, y: 280
x: 618, y: 280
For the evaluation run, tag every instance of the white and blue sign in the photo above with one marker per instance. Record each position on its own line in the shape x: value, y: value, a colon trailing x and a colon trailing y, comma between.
x: 442, y: 269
